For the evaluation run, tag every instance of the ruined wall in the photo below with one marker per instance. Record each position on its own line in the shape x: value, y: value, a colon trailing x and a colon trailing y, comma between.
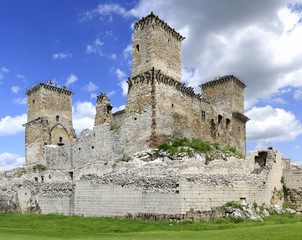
x: 293, y: 177
x: 178, y: 191
x: 103, y: 110
x: 117, y: 117
x: 36, y: 134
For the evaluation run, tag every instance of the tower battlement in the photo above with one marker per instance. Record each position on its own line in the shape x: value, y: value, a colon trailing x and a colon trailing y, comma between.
x: 153, y: 19
x: 48, y: 87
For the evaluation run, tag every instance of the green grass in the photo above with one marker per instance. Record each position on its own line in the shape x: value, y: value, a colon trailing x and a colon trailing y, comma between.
x: 33, y: 226
x: 179, y: 145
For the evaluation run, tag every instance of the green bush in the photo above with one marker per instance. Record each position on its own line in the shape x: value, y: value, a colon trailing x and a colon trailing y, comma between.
x: 234, y: 205
x: 179, y: 145
x: 114, y: 127
x: 39, y: 167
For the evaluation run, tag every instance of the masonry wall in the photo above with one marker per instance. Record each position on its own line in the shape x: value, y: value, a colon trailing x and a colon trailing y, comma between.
x: 180, y: 115
x: 293, y: 178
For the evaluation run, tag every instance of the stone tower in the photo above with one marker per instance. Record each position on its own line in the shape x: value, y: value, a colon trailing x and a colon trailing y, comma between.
x: 155, y: 44
x: 226, y: 93
x: 103, y: 110
x: 49, y: 120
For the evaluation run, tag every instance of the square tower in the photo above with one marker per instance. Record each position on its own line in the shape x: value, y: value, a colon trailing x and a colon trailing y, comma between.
x: 49, y: 120
x: 156, y: 44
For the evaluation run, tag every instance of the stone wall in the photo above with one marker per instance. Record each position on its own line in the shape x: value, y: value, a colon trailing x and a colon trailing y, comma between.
x: 141, y: 187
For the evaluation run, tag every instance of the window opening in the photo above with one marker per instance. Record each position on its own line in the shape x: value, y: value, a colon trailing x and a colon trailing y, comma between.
x: 228, y: 121
x: 71, y: 175
x: 60, y: 139
x: 57, y: 118
x: 203, y: 116
x: 238, y: 130
x: 172, y: 105
x: 33, y: 101
x: 219, y: 119
x: 137, y: 48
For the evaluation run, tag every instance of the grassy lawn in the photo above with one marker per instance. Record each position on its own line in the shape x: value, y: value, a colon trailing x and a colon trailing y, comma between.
x: 33, y: 226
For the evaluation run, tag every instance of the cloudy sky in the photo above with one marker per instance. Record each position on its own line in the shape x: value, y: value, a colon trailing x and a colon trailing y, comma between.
x: 87, y: 46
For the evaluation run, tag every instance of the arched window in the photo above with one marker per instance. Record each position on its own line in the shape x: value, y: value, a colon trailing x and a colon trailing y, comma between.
x: 219, y: 119
x: 60, y: 139
x: 228, y: 121
x: 137, y: 48
x: 57, y: 118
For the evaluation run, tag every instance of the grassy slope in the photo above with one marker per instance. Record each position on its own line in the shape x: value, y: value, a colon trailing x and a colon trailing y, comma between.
x: 21, y: 227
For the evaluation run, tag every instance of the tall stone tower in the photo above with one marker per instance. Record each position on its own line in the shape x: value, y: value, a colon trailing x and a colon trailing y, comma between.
x: 49, y: 120
x: 156, y: 45
x: 156, y: 53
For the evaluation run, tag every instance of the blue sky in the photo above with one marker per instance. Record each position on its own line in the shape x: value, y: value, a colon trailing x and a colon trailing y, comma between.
x: 87, y: 45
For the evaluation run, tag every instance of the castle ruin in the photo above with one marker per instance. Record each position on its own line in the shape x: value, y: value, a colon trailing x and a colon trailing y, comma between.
x: 113, y: 170
x: 159, y: 107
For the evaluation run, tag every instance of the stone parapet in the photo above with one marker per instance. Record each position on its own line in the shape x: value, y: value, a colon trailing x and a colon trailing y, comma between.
x: 48, y: 87
x: 153, y: 19
x: 222, y: 80
x: 152, y: 74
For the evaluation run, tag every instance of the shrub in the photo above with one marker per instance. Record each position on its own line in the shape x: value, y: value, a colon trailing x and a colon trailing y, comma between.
x: 286, y: 190
x: 234, y: 205
x: 39, y: 167
x: 114, y: 127
x: 255, y: 204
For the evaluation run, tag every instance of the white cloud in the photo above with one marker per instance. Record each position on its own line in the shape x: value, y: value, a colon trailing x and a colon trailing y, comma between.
x: 10, y: 161
x: 93, y: 95
x: 61, y: 55
x: 20, y: 101
x: 20, y: 76
x: 15, y: 89
x: 111, y: 93
x: 4, y: 70
x: 90, y: 87
x: 269, y: 124
x: 127, y: 51
x: 120, y: 74
x: 123, y: 81
x: 12, y: 125
x: 83, y: 116
x: 298, y: 94
x: 71, y: 79
x: 105, y: 10
x: 295, y: 147
x: 116, y: 109
x: 124, y: 86
x: 95, y: 47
